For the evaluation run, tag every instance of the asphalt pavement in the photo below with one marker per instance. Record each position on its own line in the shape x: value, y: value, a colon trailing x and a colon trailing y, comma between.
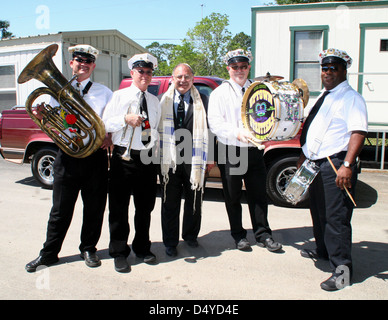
x: 213, y: 271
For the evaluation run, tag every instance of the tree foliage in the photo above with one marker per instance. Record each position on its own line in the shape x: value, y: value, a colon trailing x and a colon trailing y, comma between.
x: 210, y: 38
x: 203, y: 48
x: 4, y: 33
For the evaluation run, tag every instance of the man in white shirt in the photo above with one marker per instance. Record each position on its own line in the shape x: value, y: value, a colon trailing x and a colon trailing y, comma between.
x: 336, y: 133
x: 132, y: 116
x: 224, y: 117
x: 72, y: 175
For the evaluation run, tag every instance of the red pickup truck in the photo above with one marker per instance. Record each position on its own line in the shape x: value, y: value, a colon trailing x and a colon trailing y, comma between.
x: 22, y: 141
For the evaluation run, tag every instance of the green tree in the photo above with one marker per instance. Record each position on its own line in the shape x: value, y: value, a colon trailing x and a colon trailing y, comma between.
x: 209, y: 39
x: 240, y: 41
x: 186, y: 53
x: 5, y: 34
x: 163, y: 52
x: 203, y: 48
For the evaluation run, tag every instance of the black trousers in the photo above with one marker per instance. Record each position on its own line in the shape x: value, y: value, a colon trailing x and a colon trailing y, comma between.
x: 254, y: 178
x: 331, y: 211
x: 128, y: 178
x: 178, y: 184
x: 72, y: 175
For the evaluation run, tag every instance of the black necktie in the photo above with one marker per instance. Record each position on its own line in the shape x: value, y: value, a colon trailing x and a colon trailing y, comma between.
x: 145, y: 125
x: 180, y: 112
x: 311, y: 116
x: 78, y: 87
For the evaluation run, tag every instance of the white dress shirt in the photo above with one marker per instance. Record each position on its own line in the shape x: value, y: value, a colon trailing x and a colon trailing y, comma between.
x: 97, y: 96
x: 124, y: 101
x: 347, y: 110
x: 224, y: 112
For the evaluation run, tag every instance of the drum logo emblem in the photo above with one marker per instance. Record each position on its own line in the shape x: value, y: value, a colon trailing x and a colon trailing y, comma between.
x: 261, y: 112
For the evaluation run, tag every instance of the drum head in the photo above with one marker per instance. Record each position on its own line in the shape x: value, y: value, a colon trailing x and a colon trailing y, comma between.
x: 258, y: 110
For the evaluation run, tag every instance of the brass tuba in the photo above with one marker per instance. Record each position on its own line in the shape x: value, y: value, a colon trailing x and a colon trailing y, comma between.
x: 74, y: 126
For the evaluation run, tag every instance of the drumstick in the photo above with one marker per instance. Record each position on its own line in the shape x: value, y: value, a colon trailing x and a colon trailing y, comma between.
x: 346, y: 189
x: 257, y: 144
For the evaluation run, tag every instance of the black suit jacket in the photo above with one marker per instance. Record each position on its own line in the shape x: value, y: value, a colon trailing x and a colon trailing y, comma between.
x: 188, y: 122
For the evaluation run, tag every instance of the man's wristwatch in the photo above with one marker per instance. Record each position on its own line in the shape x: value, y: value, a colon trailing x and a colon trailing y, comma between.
x: 347, y: 164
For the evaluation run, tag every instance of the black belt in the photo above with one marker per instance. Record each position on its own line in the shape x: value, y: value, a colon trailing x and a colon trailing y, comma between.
x: 121, y: 150
x: 339, y: 155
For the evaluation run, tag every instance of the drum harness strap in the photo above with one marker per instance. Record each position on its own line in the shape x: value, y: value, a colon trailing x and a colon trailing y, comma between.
x: 327, y: 114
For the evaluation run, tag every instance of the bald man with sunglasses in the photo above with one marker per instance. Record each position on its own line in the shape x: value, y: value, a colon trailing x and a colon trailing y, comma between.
x: 132, y: 116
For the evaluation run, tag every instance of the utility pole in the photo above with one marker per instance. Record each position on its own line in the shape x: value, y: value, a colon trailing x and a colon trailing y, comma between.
x: 202, y: 5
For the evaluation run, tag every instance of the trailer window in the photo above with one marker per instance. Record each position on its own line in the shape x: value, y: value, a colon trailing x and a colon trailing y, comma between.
x: 7, y: 86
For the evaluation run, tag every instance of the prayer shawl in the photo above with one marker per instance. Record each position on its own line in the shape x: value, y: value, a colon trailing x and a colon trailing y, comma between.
x: 167, y: 138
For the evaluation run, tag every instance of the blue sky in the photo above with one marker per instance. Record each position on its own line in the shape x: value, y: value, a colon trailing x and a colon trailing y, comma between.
x: 144, y: 21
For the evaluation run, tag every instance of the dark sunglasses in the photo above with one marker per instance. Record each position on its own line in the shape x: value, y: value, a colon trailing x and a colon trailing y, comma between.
x: 141, y: 71
x: 80, y: 60
x: 331, y: 68
x: 244, y: 67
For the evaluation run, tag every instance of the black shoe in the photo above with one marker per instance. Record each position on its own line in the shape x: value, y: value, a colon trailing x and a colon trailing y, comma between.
x: 40, y: 261
x: 91, y: 259
x: 171, y: 251
x: 122, y: 265
x: 337, y: 281
x: 312, y: 254
x: 192, y: 243
x: 243, y: 245
x: 147, y: 258
x: 270, y: 244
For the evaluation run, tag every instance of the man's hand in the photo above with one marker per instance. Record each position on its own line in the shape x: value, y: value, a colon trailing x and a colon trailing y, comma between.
x: 245, y: 135
x: 107, y: 141
x: 134, y: 120
x: 37, y: 112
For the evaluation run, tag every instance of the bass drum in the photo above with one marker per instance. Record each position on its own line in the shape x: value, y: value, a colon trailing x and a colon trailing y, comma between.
x: 273, y: 110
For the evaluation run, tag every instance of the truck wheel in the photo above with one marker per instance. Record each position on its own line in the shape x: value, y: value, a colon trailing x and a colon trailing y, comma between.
x: 280, y: 171
x: 42, y: 166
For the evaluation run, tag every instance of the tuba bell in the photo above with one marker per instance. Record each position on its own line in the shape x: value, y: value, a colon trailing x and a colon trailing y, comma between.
x: 74, y: 126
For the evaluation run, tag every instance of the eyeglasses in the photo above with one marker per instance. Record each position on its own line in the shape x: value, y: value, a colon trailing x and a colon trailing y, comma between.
x: 183, y: 77
x: 244, y: 67
x: 80, y: 60
x: 141, y: 71
x: 331, y: 68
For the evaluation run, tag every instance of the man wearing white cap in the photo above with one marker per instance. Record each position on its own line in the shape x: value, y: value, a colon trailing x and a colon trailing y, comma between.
x: 132, y: 116
x: 334, y: 131
x: 224, y: 116
x: 72, y: 175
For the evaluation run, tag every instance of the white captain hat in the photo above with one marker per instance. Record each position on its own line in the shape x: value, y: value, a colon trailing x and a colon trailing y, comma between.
x: 143, y: 60
x: 84, y: 50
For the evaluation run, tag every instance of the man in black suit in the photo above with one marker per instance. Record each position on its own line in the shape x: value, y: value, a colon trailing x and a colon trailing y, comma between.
x: 184, y: 139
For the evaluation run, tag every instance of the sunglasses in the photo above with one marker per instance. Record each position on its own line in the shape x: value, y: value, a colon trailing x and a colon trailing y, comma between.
x: 244, y: 67
x: 80, y: 60
x: 331, y: 68
x: 141, y: 71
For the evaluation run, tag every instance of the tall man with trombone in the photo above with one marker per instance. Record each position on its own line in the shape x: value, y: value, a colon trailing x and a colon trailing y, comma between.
x: 72, y: 175
x: 132, y: 116
x: 332, y: 137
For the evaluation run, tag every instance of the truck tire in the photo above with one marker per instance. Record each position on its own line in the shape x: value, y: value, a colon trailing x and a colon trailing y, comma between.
x: 279, y: 172
x: 42, y: 166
